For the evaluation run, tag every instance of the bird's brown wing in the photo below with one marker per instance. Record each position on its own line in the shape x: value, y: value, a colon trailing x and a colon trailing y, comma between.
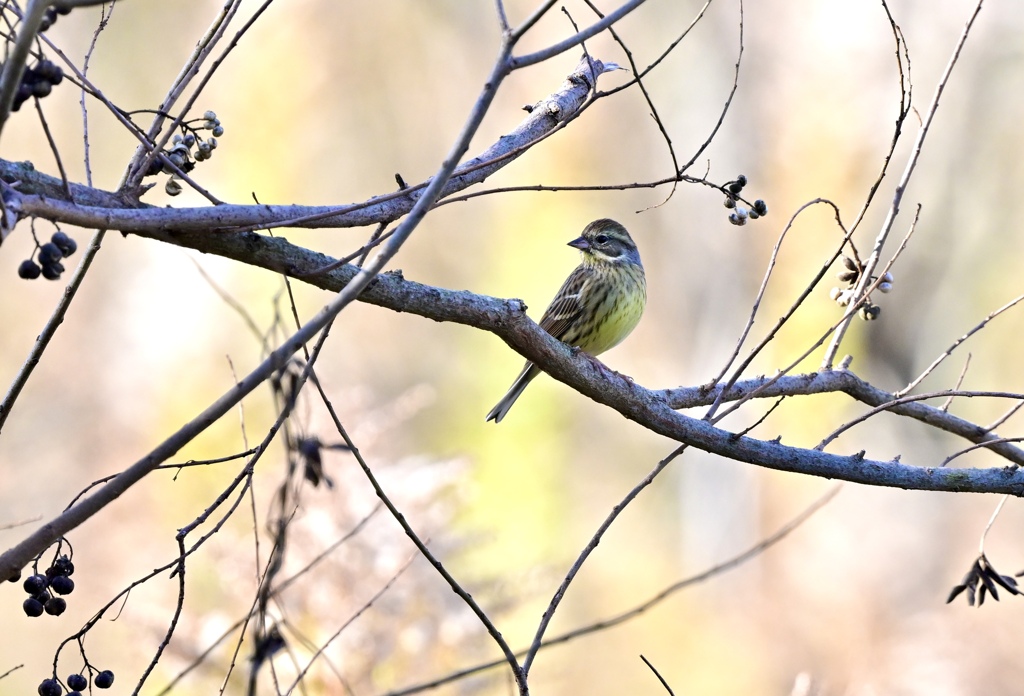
x: 566, y: 308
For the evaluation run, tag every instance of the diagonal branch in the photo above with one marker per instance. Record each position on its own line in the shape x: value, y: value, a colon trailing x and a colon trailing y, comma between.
x: 507, y: 320
x: 652, y: 409
x: 41, y: 195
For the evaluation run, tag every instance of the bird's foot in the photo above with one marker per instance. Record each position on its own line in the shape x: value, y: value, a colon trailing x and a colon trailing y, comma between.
x: 605, y: 371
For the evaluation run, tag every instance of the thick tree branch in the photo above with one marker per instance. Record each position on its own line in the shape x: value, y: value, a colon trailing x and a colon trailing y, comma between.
x: 652, y: 409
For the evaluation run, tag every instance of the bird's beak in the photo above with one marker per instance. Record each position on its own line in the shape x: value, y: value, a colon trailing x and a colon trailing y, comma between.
x: 580, y: 243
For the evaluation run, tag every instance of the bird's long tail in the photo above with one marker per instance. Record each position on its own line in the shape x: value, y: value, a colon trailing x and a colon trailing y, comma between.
x: 524, y: 378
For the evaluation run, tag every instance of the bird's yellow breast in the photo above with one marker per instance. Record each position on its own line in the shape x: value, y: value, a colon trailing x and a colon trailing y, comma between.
x: 616, y: 303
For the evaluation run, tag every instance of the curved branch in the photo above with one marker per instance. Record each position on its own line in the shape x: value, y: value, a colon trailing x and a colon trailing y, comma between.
x: 574, y: 40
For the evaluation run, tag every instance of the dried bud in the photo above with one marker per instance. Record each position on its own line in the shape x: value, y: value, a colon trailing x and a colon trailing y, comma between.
x: 870, y: 312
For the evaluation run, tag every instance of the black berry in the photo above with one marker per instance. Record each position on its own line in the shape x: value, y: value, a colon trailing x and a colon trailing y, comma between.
x: 29, y: 270
x: 62, y: 585
x: 55, y: 606
x: 41, y: 89
x: 66, y: 244
x: 33, y: 607
x: 35, y: 584
x: 52, y: 271
x: 76, y: 682
x: 50, y: 253
x: 62, y: 566
x: 50, y: 687
x: 104, y: 680
x: 50, y: 72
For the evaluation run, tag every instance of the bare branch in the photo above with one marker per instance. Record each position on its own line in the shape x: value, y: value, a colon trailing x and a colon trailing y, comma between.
x: 39, y: 195
x: 901, y: 186
x: 549, y: 613
x: 658, y: 675
x: 574, y: 40
x: 605, y: 624
x: 956, y: 344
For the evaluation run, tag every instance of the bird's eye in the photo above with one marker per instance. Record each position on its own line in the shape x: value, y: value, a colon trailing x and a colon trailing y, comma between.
x: 601, y: 239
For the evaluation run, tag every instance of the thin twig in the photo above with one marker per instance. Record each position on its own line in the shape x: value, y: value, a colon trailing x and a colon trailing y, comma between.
x: 204, y: 47
x: 738, y: 372
x: 647, y: 98
x: 281, y: 587
x: 518, y: 672
x: 906, y: 399
x: 987, y: 444
x: 906, y: 100
x: 956, y: 344
x: 991, y: 521
x: 105, y: 13
x: 901, y: 186
x: 373, y: 600
x: 605, y: 624
x: 503, y: 24
x: 50, y: 328
x: 1005, y: 417
x: 53, y: 149
x: 658, y: 675
x: 959, y: 383
x: 585, y: 553
x: 850, y: 311
x: 728, y: 100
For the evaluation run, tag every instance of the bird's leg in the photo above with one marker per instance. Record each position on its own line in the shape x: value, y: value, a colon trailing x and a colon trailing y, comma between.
x: 606, y: 371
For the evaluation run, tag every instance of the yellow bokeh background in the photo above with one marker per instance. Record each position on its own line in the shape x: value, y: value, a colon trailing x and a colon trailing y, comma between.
x: 322, y: 103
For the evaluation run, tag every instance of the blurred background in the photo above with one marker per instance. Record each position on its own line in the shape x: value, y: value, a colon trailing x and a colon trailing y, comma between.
x: 322, y: 103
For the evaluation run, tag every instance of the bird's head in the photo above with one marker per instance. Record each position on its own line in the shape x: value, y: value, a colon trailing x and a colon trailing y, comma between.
x: 606, y: 241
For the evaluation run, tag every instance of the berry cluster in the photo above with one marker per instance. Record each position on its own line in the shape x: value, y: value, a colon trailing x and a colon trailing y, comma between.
x: 37, y: 82
x: 740, y: 214
x: 50, y: 16
x: 45, y: 588
x: 851, y: 276
x: 77, y: 683
x: 49, y: 257
x: 188, y: 148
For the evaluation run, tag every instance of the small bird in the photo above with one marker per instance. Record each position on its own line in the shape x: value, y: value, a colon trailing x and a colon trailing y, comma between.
x: 599, y: 304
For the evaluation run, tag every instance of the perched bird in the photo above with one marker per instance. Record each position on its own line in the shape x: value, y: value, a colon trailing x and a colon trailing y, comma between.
x: 598, y: 305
